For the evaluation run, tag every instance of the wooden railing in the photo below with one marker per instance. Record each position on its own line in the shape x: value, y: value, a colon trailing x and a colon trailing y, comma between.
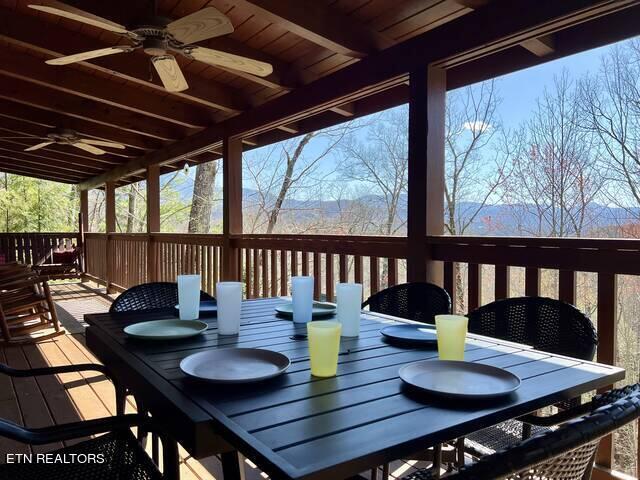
x: 34, y: 248
x: 509, y: 266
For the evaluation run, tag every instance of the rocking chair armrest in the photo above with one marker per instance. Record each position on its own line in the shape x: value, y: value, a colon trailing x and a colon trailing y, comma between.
x: 69, y: 431
x: 36, y: 372
x: 28, y: 282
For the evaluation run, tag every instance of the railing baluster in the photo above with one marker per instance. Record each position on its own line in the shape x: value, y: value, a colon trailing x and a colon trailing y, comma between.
x: 317, y: 285
x: 344, y: 270
x: 294, y: 263
x: 247, y: 272
x: 502, y: 281
x: 607, y: 328
x: 392, y: 271
x: 567, y: 286
x: 256, y: 274
x: 283, y: 273
x: 330, y: 280
x: 374, y: 274
x: 357, y: 269
x: 265, y: 274
x: 532, y: 282
x: 274, y: 274
x: 475, y: 286
x: 305, y: 263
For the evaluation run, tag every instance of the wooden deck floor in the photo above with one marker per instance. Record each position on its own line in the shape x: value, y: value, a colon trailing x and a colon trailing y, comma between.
x: 77, y: 396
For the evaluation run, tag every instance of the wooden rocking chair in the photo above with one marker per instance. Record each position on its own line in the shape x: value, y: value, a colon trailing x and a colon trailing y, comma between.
x: 26, y: 306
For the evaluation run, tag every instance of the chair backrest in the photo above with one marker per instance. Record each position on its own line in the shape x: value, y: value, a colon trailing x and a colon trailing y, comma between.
x: 563, y: 454
x: 418, y: 301
x: 150, y: 296
x: 544, y: 323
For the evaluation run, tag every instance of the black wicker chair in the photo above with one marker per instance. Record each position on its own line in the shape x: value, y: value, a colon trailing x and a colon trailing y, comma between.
x: 415, y: 301
x: 545, y: 324
x: 150, y: 296
x: 116, y: 454
x: 563, y: 454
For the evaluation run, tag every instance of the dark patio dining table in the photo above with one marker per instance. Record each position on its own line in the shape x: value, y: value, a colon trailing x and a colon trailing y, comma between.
x: 296, y: 426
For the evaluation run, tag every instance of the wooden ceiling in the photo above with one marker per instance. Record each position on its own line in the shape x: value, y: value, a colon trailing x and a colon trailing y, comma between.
x: 119, y: 98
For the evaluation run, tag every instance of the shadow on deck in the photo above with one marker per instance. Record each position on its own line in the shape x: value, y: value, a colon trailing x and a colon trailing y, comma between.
x: 43, y: 401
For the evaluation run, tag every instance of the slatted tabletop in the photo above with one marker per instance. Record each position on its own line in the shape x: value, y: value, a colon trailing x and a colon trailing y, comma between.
x: 300, y: 427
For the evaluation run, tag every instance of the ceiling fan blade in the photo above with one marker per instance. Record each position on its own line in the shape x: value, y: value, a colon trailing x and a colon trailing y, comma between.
x: 89, y: 148
x: 170, y: 73
x: 200, y: 25
x: 228, y: 60
x: 38, y: 146
x: 67, y: 11
x: 81, y: 57
x: 102, y: 143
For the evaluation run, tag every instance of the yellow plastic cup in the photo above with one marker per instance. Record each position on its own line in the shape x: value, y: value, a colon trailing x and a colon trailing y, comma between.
x: 451, y: 331
x: 324, y: 345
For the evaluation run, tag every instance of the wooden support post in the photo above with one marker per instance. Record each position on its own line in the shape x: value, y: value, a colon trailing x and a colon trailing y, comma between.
x: 83, y: 227
x: 153, y: 220
x: 231, y: 205
x: 427, y: 91
x: 110, y: 223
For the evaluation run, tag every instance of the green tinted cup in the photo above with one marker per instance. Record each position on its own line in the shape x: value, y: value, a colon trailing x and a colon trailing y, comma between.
x: 451, y: 331
x: 324, y: 345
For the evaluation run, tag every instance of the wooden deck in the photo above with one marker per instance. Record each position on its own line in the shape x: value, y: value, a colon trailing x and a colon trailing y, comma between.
x: 77, y: 396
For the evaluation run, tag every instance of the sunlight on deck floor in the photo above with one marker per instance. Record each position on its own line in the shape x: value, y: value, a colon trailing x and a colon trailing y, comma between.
x: 77, y: 396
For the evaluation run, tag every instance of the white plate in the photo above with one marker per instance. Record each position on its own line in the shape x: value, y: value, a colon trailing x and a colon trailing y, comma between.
x: 235, y: 365
x: 319, y: 309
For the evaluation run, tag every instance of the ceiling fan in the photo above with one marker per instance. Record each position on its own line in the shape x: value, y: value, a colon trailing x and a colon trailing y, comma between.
x: 69, y: 137
x: 162, y: 40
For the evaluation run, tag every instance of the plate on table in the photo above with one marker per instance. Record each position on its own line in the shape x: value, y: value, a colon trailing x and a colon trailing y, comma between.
x: 208, y: 308
x: 166, y: 329
x: 235, y: 365
x: 320, y: 309
x: 413, y: 334
x: 459, y: 380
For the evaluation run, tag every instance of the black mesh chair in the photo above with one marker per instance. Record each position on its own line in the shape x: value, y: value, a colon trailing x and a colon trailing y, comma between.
x: 117, y: 453
x: 415, y: 301
x: 545, y: 324
x: 150, y: 296
x: 563, y: 454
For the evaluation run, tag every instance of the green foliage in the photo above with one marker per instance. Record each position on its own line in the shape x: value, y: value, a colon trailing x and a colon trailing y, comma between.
x: 32, y: 205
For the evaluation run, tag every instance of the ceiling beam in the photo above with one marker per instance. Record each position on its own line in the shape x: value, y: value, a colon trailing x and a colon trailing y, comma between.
x: 45, y: 163
x: 321, y: 25
x: 36, y: 116
x: 88, y: 110
x: 478, y: 34
x: 73, y: 81
x: 48, y: 38
x: 541, y: 46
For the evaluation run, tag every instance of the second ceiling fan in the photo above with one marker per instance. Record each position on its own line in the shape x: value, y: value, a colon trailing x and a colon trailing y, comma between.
x: 162, y: 40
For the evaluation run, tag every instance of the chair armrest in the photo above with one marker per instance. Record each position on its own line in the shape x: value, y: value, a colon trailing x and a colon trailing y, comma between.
x: 36, y: 372
x: 556, y: 418
x: 19, y: 284
x: 69, y: 431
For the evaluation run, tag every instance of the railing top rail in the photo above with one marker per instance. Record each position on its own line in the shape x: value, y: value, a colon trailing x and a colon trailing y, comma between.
x: 41, y: 234
x: 564, y: 242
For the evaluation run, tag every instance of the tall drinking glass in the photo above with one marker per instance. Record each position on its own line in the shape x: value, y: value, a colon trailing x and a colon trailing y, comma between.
x: 451, y: 331
x: 324, y: 345
x: 349, y: 305
x: 189, y: 297
x: 302, y: 298
x: 229, y: 298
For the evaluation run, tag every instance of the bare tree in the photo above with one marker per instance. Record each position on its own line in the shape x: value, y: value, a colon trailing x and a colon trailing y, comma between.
x: 611, y: 103
x: 282, y: 171
x: 555, y: 180
x: 474, y: 167
x: 203, y: 198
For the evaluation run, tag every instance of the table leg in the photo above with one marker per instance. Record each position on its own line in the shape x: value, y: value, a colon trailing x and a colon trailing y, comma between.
x: 170, y: 459
x: 232, y: 466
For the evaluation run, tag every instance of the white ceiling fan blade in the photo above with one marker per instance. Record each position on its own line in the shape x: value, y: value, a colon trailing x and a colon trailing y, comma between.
x: 38, y: 146
x: 89, y: 148
x: 81, y: 57
x: 170, y: 73
x: 102, y: 143
x: 228, y: 60
x: 200, y: 25
x: 67, y: 11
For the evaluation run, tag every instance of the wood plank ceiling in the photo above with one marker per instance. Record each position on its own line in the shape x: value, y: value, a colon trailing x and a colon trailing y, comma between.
x: 119, y: 98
